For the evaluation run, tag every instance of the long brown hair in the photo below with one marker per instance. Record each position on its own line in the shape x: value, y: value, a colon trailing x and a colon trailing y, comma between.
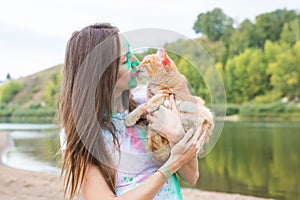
x: 77, y: 156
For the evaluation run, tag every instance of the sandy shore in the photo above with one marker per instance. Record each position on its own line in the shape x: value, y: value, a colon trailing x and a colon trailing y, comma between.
x: 16, y: 184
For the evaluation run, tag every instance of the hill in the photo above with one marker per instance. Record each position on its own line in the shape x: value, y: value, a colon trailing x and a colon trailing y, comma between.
x: 32, y: 98
x: 34, y: 87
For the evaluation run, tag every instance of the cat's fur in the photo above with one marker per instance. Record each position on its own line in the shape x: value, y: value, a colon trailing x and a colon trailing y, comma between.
x: 164, y: 79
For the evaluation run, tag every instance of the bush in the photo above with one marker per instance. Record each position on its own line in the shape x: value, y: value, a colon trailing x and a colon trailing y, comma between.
x: 286, y: 110
x: 232, y: 109
x: 6, y: 111
x: 8, y: 90
x: 35, y: 105
x: 33, y: 112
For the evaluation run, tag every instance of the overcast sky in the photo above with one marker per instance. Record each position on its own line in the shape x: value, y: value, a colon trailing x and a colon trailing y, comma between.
x: 33, y: 34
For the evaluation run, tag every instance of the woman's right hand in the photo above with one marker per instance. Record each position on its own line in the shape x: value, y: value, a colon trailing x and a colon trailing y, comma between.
x: 185, y: 149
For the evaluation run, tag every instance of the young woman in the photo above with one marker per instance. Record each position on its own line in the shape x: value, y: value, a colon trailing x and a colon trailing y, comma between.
x: 115, y: 163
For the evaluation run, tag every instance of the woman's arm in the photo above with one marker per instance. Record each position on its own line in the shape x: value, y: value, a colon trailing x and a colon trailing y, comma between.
x: 189, y: 172
x: 94, y: 185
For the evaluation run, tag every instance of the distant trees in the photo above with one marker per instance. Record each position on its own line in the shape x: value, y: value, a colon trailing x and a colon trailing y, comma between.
x: 51, y: 92
x: 8, y: 90
x: 8, y: 77
x: 245, y: 76
x: 269, y: 25
x: 214, y: 24
x: 261, y: 61
x: 284, y: 69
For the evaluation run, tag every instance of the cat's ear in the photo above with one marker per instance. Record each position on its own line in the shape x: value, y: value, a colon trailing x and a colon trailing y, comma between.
x: 160, y: 53
x: 166, y: 60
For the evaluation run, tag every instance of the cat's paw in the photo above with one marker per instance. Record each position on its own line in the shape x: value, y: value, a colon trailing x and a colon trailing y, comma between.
x: 167, y: 104
x: 130, y: 120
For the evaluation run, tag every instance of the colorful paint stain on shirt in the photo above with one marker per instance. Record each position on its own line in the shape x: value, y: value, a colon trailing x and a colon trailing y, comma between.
x: 136, y: 164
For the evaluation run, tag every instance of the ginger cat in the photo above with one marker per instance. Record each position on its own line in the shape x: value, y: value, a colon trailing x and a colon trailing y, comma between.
x: 164, y: 79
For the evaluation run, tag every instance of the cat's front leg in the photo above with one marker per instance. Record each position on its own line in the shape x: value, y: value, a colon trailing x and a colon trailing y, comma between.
x: 155, y: 101
x: 135, y: 115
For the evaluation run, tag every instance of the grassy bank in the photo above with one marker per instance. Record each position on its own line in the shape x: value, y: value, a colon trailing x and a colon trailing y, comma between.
x: 249, y: 111
x: 271, y: 111
x: 27, y: 115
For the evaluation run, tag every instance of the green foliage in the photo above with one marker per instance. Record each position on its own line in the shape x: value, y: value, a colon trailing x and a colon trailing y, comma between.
x: 214, y: 24
x: 245, y: 76
x: 8, y: 77
x: 284, y: 70
x: 33, y: 114
x: 242, y: 38
x: 269, y: 25
x: 274, y: 110
x: 232, y: 109
x: 52, y: 89
x: 8, y: 90
x: 290, y: 32
x: 6, y: 111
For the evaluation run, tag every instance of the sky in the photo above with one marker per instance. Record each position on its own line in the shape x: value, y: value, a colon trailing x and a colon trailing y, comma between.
x: 34, y: 33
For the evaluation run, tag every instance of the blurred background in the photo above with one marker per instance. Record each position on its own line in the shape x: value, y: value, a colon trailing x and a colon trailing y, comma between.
x: 255, y: 46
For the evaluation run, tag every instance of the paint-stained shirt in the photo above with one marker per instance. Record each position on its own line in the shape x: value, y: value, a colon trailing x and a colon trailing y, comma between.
x: 135, y: 164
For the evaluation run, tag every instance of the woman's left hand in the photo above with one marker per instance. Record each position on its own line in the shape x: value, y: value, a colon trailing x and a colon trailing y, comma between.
x: 167, y: 122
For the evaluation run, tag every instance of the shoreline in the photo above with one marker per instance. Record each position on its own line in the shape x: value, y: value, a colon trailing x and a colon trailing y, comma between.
x: 29, y: 185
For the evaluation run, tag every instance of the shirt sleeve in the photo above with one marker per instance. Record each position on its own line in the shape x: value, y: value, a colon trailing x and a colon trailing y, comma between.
x: 63, y: 142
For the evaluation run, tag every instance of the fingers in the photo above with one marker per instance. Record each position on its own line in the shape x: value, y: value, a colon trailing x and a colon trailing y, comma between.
x: 150, y: 118
x: 193, y: 141
x: 201, y: 142
x: 188, y: 135
x: 172, y: 101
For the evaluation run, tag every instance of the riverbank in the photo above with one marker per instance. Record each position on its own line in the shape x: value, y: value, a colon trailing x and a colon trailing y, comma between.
x: 18, y: 184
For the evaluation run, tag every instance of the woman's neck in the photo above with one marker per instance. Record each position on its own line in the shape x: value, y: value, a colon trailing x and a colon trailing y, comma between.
x: 118, y: 102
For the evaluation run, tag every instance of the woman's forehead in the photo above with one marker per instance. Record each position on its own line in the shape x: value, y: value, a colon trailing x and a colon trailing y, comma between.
x: 125, y: 46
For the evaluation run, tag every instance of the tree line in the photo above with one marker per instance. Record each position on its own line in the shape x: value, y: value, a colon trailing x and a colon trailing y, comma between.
x: 259, y: 61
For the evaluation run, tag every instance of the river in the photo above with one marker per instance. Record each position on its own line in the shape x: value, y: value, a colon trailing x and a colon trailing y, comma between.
x: 252, y: 158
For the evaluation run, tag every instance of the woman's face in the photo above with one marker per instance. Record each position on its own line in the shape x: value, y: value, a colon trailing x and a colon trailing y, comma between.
x: 124, y: 75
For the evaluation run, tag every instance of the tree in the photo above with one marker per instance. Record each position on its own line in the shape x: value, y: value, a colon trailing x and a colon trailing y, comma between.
x: 243, y: 37
x: 291, y: 32
x: 269, y: 25
x: 245, y: 76
x: 214, y: 24
x: 52, y: 89
x: 285, y: 72
x: 9, y: 90
x: 8, y: 77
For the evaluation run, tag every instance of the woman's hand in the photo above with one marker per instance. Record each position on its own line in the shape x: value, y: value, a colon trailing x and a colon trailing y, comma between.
x: 186, y: 149
x: 167, y: 122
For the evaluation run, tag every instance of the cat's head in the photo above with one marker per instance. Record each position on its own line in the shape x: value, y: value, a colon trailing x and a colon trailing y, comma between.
x: 156, y: 63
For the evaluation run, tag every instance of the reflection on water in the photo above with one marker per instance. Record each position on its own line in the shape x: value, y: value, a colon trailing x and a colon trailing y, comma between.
x: 254, y: 158
x: 33, y: 147
x: 15, y: 126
